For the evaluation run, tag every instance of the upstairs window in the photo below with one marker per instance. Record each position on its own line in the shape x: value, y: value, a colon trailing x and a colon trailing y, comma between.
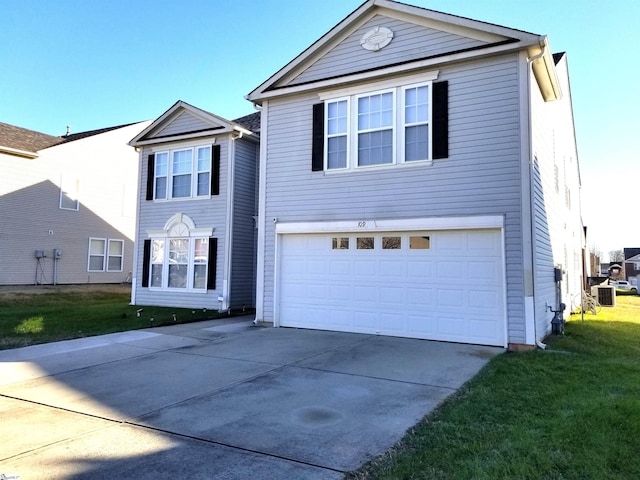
x: 69, y: 192
x: 400, y: 125
x: 183, y: 173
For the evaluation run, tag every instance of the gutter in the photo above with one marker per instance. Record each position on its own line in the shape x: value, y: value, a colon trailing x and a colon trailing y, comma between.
x: 544, y: 71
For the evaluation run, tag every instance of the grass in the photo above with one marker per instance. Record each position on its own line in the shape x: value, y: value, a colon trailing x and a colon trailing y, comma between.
x: 569, y: 412
x: 35, y: 315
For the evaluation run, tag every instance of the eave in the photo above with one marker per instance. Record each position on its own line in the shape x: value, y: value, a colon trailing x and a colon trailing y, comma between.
x: 18, y: 153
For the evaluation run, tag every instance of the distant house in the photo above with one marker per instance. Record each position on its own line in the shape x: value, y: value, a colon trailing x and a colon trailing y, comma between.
x: 632, y: 265
x: 419, y: 178
x: 67, y: 206
x: 196, y: 233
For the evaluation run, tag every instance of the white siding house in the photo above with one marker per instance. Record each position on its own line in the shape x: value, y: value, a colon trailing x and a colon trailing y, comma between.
x: 419, y: 178
x: 67, y: 206
x: 196, y: 234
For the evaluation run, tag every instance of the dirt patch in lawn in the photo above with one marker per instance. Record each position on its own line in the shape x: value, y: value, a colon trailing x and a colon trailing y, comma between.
x: 9, y: 292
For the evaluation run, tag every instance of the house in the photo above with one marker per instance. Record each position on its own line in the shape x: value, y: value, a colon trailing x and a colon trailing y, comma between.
x: 67, y: 206
x: 419, y: 178
x: 632, y: 265
x: 196, y: 233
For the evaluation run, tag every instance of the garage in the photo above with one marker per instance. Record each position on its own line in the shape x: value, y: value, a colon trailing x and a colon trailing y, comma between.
x: 431, y: 284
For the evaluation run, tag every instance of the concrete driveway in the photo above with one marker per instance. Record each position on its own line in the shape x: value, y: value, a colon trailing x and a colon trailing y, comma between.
x: 219, y: 399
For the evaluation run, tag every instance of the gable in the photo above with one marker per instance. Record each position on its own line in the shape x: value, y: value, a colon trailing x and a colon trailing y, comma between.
x: 183, y: 121
x: 411, y: 41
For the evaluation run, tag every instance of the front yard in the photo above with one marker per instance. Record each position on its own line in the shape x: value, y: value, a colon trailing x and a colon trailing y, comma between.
x: 569, y: 412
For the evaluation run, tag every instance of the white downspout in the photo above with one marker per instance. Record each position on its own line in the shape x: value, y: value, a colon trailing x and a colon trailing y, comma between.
x: 262, y: 184
x: 136, y: 234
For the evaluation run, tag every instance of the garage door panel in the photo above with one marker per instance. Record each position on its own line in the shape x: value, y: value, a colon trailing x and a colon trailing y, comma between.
x: 451, y: 288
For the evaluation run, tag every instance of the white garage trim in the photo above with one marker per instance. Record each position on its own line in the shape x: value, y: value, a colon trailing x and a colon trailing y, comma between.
x: 373, y: 225
x: 377, y: 227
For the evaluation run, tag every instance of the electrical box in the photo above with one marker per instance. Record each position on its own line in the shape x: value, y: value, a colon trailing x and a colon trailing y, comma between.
x: 39, y: 253
x: 57, y: 253
x: 557, y: 274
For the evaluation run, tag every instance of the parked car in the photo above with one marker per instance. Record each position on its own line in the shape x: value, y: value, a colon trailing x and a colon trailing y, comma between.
x: 623, y: 286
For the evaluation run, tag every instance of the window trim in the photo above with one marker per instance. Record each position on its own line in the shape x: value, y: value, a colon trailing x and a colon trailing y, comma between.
x: 106, y: 255
x: 65, y: 182
x: 191, y: 264
x: 193, y: 173
x: 398, y: 127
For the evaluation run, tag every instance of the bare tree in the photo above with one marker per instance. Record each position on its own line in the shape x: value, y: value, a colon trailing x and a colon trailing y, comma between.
x: 616, y: 256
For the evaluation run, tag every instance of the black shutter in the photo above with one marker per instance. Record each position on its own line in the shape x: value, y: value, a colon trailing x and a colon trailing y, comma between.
x: 441, y: 120
x: 146, y: 260
x: 215, y: 170
x: 211, y: 271
x: 317, y: 154
x: 151, y: 166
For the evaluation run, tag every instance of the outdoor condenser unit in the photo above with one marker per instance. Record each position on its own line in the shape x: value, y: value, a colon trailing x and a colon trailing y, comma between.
x: 605, y: 294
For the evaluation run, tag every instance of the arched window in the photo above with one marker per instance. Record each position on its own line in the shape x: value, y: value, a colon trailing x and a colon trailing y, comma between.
x: 180, y: 256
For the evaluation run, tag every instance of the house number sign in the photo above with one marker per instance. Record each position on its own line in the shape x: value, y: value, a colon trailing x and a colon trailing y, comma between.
x: 362, y: 224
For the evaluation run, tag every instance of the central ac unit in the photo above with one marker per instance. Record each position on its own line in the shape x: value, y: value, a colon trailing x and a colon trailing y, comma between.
x: 605, y: 294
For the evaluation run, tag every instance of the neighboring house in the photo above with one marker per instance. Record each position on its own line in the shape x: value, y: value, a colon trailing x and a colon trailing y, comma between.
x: 419, y: 178
x: 196, y: 233
x: 632, y: 265
x: 67, y: 206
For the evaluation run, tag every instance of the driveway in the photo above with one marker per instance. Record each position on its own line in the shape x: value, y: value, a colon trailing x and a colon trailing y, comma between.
x: 219, y: 399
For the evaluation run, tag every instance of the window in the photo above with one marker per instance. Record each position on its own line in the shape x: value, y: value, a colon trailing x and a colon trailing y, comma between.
x: 115, y: 255
x: 180, y: 256
x: 419, y: 243
x: 391, y: 243
x: 398, y: 125
x: 340, y: 243
x: 184, y: 173
x: 97, y: 250
x: 69, y: 190
x: 365, y: 243
x: 105, y: 255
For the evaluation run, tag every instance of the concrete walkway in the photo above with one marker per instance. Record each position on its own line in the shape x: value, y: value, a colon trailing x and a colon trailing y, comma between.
x: 219, y: 399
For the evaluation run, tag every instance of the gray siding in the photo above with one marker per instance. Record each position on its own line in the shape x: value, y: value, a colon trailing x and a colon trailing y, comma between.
x: 209, y: 212
x: 244, y: 239
x: 480, y: 177
x: 183, y: 123
x: 557, y: 223
x: 410, y: 42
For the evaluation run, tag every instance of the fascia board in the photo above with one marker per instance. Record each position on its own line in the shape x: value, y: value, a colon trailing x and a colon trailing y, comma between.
x: 18, y: 152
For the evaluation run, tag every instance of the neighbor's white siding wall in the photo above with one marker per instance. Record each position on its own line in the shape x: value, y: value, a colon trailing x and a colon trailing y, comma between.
x: 558, y: 225
x: 481, y: 175
x: 106, y: 169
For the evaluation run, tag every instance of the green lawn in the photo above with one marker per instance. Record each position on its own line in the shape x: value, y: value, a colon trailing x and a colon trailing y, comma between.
x: 569, y: 412
x: 36, y: 315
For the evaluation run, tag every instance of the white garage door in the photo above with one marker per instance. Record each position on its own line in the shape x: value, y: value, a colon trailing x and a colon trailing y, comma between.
x: 445, y: 285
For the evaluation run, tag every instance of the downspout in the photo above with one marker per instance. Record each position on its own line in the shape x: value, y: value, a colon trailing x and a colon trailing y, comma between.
x: 530, y: 60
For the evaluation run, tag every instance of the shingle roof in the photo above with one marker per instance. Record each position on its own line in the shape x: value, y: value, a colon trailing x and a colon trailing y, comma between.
x: 77, y: 136
x: 18, y: 138
x: 250, y: 122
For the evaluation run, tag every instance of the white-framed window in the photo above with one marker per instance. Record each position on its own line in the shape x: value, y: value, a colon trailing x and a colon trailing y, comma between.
x: 105, y: 254
x: 69, y: 193
x: 386, y: 127
x: 182, y: 173
x: 179, y: 263
x: 115, y: 255
x: 177, y: 257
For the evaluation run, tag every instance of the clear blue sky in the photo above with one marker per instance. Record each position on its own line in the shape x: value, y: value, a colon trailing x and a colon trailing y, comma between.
x: 98, y: 63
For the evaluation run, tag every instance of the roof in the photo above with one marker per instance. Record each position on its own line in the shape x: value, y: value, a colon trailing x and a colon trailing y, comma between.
x: 250, y: 122
x: 72, y: 137
x: 24, y: 142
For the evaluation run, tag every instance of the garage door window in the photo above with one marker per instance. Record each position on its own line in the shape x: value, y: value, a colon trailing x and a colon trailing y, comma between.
x: 391, y: 243
x: 419, y: 243
x: 365, y: 243
x: 340, y: 243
